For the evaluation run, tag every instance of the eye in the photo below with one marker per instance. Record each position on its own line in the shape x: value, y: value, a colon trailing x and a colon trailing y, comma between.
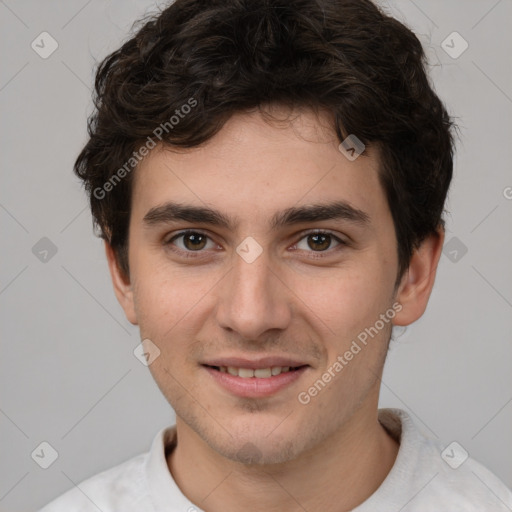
x: 318, y: 241
x: 190, y: 241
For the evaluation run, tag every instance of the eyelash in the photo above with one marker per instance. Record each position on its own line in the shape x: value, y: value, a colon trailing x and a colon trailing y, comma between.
x: 197, y: 254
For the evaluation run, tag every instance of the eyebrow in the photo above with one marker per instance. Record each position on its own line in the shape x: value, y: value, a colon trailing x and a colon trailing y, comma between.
x: 337, y: 210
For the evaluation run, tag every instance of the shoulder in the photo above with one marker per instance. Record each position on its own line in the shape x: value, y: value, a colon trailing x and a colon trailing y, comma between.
x: 122, y: 487
x: 428, y: 475
x: 465, y: 483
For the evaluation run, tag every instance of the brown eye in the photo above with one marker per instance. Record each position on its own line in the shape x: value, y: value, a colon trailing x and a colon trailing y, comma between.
x: 190, y: 241
x: 194, y: 241
x: 319, y: 242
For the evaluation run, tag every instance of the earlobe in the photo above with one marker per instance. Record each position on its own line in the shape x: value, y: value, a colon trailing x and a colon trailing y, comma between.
x: 418, y: 280
x: 122, y: 285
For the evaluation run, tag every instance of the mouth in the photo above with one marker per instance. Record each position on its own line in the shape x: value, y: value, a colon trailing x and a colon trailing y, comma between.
x: 257, y: 382
x: 257, y: 373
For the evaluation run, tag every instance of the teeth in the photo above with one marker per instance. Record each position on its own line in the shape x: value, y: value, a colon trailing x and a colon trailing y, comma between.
x: 260, y: 373
x: 245, y: 373
x: 263, y: 373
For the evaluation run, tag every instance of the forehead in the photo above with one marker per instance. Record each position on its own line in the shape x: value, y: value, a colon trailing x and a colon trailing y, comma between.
x: 253, y: 168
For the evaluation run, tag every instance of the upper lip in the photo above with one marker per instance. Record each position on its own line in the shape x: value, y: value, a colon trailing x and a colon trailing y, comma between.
x: 254, y: 364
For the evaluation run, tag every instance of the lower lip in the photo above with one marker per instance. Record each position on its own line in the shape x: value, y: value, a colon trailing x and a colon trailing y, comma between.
x: 254, y: 387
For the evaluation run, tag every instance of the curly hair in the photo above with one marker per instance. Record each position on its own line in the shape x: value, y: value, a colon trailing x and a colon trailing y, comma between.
x: 220, y: 57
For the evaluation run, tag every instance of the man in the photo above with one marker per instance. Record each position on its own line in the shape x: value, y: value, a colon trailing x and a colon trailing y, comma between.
x: 269, y: 177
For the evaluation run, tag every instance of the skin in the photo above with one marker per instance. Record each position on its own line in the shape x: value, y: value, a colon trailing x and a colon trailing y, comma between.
x: 294, y: 299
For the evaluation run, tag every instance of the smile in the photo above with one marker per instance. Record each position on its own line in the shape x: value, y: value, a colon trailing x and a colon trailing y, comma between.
x: 255, y: 382
x: 258, y: 373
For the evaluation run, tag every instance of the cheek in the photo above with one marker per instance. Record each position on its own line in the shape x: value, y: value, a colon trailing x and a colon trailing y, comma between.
x: 168, y: 299
x: 157, y: 298
x: 345, y: 300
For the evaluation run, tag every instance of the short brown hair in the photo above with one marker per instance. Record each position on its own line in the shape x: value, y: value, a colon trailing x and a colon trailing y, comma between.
x: 229, y: 56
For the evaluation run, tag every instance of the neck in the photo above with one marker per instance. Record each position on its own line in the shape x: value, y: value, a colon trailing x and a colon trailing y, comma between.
x: 339, y: 474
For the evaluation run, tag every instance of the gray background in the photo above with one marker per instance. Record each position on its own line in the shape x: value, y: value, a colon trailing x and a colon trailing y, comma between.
x: 68, y: 373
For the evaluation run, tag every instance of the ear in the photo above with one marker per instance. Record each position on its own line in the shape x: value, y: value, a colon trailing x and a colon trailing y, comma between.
x: 122, y: 285
x: 418, y: 280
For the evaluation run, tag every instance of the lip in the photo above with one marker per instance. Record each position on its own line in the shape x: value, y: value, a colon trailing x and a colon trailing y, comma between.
x: 254, y: 387
x: 255, y: 364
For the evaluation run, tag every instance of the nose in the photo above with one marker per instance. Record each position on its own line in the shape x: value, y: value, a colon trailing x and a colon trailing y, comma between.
x: 253, y: 299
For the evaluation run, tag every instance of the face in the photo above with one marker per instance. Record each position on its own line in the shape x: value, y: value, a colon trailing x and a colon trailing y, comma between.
x: 250, y: 276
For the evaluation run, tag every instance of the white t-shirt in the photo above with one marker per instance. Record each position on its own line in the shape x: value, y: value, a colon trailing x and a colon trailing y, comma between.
x: 426, y: 477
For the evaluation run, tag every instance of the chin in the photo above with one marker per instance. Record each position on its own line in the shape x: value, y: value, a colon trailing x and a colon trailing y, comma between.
x: 252, y: 435
x: 259, y: 452
x: 261, y: 441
